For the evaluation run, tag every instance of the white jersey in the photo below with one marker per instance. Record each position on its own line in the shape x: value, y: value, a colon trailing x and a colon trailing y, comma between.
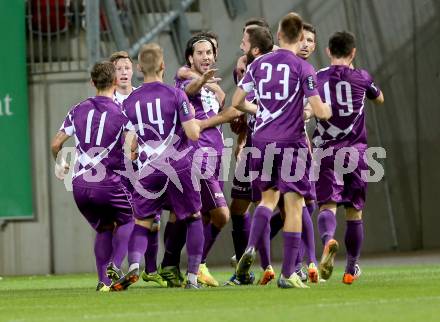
x: 119, y: 98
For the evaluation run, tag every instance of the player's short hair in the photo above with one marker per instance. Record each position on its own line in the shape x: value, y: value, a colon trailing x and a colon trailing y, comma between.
x: 261, y: 38
x: 257, y: 22
x: 119, y: 55
x: 103, y: 75
x: 341, y: 44
x: 309, y: 27
x: 291, y: 26
x: 150, y: 58
x: 208, y: 34
x: 191, y: 43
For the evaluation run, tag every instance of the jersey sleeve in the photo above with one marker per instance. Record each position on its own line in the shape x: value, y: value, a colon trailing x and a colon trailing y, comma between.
x: 184, y: 109
x: 372, y: 91
x: 67, y: 126
x: 308, y: 80
x: 247, y: 83
x: 181, y: 83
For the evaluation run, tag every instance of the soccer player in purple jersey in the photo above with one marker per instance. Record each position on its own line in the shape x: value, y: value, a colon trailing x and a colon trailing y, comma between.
x: 344, y: 88
x: 307, y: 48
x: 200, y: 55
x: 281, y: 80
x: 256, y: 42
x: 124, y: 74
x: 173, y: 246
x: 98, y: 126
x: 164, y: 122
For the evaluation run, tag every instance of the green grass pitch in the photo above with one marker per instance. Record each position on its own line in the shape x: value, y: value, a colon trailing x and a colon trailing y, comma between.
x: 401, y: 293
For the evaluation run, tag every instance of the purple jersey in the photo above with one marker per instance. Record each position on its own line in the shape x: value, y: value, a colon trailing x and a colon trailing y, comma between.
x: 97, y: 124
x: 206, y: 105
x: 344, y: 89
x: 250, y: 97
x: 280, y: 80
x: 157, y: 111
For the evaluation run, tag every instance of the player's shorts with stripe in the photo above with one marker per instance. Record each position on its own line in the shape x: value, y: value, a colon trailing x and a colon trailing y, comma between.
x: 287, y: 171
x: 351, y: 192
x: 104, y: 206
x: 155, y: 192
x: 211, y: 188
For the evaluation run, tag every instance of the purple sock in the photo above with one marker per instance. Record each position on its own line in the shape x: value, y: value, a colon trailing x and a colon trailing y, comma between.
x: 194, y: 244
x: 276, y: 223
x: 138, y: 244
x: 166, y: 232
x: 300, y: 257
x: 261, y: 219
x: 174, y: 244
x: 151, y: 253
x: 311, y: 207
x: 121, y: 238
x: 291, y: 247
x: 103, y: 253
x: 308, y: 237
x: 210, y: 233
x: 354, y: 235
x: 326, y: 225
x: 264, y: 248
x: 240, y: 232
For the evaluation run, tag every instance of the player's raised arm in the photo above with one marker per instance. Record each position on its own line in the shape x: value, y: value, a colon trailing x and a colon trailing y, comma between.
x: 185, y: 72
x: 196, y: 84
x: 225, y: 116
x: 320, y: 109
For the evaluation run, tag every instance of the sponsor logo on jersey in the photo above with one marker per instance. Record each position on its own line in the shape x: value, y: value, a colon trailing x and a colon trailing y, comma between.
x: 218, y: 195
x: 310, y: 83
x: 185, y: 108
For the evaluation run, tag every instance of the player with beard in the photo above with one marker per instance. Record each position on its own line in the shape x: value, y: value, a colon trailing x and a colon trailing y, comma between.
x: 280, y: 80
x: 200, y: 56
x: 256, y: 41
x: 170, y: 264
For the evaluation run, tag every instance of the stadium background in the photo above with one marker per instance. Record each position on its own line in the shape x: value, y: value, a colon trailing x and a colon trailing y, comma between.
x: 398, y: 42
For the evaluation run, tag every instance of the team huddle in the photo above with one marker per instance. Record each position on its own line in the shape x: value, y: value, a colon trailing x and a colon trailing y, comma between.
x: 140, y: 151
